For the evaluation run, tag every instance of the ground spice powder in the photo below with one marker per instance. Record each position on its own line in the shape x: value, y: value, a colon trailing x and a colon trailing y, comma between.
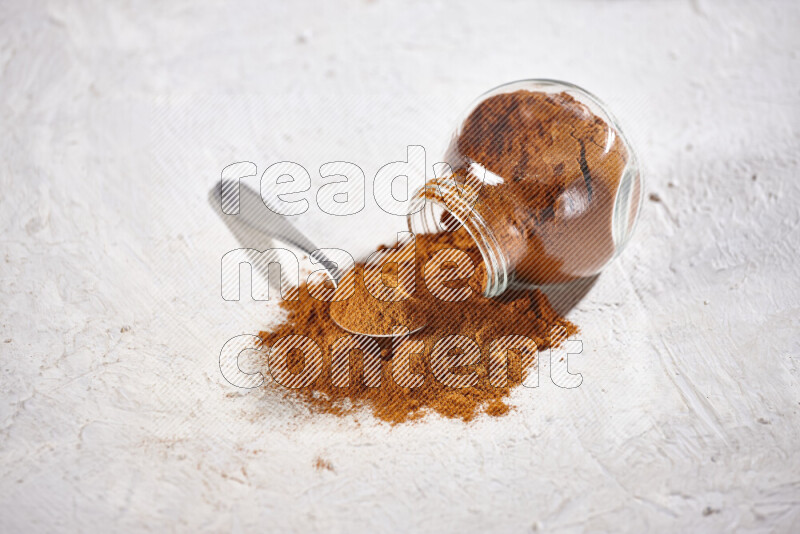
x: 417, y: 306
x: 560, y: 167
x: 482, y: 319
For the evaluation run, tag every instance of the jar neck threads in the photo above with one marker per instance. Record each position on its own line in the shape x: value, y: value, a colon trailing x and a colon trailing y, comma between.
x: 442, y: 195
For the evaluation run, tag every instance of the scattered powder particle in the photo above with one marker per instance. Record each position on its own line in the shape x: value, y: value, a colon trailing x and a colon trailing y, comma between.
x: 497, y: 408
x: 321, y: 464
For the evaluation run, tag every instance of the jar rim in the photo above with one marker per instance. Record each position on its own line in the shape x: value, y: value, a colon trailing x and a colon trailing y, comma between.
x: 425, y: 219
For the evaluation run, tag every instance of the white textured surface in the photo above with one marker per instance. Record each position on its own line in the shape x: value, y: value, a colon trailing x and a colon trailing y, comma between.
x: 115, y: 120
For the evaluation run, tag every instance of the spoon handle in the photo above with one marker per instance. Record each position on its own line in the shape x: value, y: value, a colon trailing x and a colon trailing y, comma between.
x: 255, y: 225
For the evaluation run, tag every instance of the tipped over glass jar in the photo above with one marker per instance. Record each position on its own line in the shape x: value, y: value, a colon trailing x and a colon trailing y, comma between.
x: 542, y: 178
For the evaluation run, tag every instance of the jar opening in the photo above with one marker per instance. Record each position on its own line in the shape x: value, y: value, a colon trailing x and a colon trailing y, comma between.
x: 429, y: 218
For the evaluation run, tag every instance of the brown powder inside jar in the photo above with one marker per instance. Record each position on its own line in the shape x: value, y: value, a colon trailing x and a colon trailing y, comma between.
x: 559, y: 167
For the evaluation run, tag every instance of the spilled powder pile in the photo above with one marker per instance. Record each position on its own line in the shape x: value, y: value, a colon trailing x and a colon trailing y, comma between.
x: 481, y: 319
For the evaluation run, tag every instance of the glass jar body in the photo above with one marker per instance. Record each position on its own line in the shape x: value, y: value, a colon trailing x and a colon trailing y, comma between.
x: 542, y: 178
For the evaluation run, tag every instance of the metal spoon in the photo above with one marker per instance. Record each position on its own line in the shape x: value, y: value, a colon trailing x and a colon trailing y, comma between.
x: 256, y: 223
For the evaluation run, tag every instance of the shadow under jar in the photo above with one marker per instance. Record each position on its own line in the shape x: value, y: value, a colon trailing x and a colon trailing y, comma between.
x: 544, y: 181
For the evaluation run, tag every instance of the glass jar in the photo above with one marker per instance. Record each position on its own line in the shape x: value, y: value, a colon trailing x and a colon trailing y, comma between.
x: 542, y: 178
